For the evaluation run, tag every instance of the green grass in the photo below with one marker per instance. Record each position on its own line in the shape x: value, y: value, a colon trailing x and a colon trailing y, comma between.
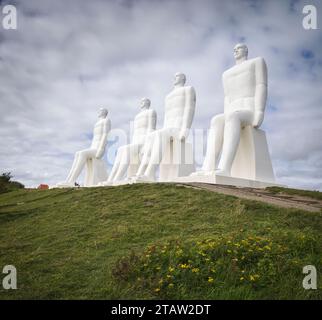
x: 296, y: 192
x: 92, y: 243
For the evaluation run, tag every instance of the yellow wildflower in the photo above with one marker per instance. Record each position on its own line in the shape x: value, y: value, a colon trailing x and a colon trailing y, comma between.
x: 171, y: 269
x: 195, y: 270
x: 157, y: 290
x: 210, y: 279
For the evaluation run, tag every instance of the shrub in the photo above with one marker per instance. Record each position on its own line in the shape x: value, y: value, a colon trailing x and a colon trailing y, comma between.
x: 204, y: 269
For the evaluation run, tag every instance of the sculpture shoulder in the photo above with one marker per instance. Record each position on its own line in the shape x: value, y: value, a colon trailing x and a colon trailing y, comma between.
x: 228, y: 72
x: 152, y: 113
x: 261, y: 70
x: 190, y: 89
x: 107, y: 122
x: 146, y: 113
x: 258, y: 61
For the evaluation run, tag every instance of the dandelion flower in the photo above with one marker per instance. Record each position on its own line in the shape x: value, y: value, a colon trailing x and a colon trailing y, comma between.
x: 210, y: 279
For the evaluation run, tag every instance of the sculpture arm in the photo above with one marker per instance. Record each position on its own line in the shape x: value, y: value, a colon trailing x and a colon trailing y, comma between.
x: 189, y: 111
x: 226, y: 104
x: 260, y: 92
x: 152, y: 121
x: 101, y: 148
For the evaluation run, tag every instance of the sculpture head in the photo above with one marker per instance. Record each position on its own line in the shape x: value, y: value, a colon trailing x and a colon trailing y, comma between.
x: 240, y: 52
x: 102, y: 113
x: 179, y: 79
x: 145, y: 103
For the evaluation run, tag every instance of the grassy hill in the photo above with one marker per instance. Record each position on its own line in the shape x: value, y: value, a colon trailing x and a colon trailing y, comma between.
x: 155, y: 241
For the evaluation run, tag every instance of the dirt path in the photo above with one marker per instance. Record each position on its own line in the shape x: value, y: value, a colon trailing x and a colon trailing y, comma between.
x: 280, y: 199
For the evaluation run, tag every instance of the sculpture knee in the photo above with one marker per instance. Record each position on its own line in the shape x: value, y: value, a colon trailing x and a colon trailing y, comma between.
x: 82, y: 154
x: 121, y: 151
x: 232, y: 117
x: 216, y: 120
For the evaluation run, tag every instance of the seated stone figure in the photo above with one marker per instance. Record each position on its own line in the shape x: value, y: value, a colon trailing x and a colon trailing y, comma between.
x: 245, y: 91
x: 179, y: 111
x: 128, y: 156
x: 91, y: 157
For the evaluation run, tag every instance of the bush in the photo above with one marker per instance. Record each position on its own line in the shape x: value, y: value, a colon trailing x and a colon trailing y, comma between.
x: 6, y: 176
x: 7, y: 185
x: 206, y: 269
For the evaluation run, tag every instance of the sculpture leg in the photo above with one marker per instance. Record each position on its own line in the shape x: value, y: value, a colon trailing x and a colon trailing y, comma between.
x: 80, y: 159
x: 233, y: 124
x: 214, y: 142
x: 74, y: 165
x: 162, y: 138
x: 127, y: 156
x: 116, y: 164
x: 146, y: 154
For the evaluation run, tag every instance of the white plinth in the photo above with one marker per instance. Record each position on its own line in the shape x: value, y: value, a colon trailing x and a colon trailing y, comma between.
x: 95, y: 173
x: 232, y: 181
x: 177, y: 161
x: 252, y: 160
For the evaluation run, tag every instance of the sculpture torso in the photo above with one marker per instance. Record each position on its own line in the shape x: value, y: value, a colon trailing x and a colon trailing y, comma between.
x: 99, y: 130
x: 142, y: 123
x: 174, y: 108
x: 239, y: 86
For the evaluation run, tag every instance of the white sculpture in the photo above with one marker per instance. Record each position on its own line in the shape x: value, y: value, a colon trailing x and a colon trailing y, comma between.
x: 179, y: 111
x: 128, y: 156
x: 92, y: 157
x: 245, y: 90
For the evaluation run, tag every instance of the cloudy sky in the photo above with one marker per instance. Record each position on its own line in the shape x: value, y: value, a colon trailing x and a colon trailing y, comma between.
x: 68, y: 58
